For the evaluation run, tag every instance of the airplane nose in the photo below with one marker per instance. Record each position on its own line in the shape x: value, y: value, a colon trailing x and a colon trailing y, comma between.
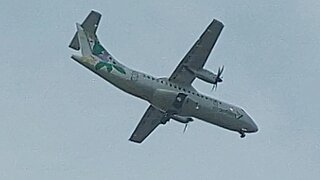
x: 252, y: 126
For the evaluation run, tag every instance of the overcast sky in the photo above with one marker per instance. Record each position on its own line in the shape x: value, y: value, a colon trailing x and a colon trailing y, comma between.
x: 60, y: 121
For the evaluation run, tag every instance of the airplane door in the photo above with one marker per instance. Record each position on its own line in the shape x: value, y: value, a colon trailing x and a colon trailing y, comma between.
x: 134, y: 76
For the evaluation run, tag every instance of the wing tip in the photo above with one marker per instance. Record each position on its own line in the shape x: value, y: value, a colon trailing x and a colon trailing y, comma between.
x: 95, y: 12
x: 134, y: 140
x: 216, y: 21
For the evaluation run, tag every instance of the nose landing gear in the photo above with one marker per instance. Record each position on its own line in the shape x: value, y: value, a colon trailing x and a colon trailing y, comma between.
x: 242, y: 134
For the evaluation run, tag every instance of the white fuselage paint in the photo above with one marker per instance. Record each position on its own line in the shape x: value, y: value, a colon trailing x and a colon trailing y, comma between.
x: 199, y: 106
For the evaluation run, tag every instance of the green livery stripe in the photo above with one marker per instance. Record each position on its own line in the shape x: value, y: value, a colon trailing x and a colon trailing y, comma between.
x: 109, y: 67
x: 97, y: 48
x: 120, y: 69
x: 102, y: 64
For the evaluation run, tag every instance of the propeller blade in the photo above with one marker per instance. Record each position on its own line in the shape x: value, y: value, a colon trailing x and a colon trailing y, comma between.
x: 220, y: 71
x: 218, y: 78
x: 214, y: 87
x: 185, y: 128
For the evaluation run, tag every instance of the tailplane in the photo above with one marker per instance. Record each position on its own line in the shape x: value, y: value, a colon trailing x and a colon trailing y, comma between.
x: 86, y: 40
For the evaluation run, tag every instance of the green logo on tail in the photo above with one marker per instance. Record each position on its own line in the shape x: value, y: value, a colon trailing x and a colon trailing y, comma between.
x: 99, y: 50
x: 109, y: 67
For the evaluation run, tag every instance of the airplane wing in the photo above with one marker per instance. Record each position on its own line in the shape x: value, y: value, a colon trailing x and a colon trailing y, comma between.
x: 197, y: 55
x: 150, y: 120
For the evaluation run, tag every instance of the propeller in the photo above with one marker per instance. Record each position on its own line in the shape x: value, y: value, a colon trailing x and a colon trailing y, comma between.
x: 218, y: 78
x: 185, y: 128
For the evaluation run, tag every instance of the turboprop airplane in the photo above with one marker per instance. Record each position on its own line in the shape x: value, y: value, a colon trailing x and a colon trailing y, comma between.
x: 170, y: 98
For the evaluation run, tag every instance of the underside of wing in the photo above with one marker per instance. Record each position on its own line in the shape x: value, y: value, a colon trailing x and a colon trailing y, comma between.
x: 197, y: 55
x: 150, y: 120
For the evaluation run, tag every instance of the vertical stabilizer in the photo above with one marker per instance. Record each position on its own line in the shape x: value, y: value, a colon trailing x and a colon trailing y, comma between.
x: 83, y: 41
x: 90, y: 25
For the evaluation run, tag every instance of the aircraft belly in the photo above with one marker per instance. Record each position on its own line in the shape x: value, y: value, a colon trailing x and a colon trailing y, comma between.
x: 163, y: 99
x: 143, y: 89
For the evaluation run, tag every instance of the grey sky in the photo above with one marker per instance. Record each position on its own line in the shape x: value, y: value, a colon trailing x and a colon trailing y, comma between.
x: 60, y: 121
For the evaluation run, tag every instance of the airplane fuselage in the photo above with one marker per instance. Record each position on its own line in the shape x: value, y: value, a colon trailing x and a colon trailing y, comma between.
x: 170, y: 98
x: 163, y: 95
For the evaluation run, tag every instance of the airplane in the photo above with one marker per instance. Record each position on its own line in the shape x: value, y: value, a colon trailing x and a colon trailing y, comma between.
x: 170, y: 98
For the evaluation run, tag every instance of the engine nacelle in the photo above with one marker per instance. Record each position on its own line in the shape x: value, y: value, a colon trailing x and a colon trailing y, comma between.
x: 206, y: 76
x: 182, y: 119
x: 209, y: 76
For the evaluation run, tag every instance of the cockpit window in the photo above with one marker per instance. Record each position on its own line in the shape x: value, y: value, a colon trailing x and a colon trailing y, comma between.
x: 239, y: 114
x: 236, y: 112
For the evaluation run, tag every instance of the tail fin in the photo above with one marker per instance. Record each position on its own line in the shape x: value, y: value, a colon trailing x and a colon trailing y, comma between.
x: 83, y: 41
x: 90, y: 25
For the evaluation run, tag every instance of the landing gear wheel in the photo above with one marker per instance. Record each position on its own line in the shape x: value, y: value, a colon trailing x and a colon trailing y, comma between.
x: 242, y: 135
